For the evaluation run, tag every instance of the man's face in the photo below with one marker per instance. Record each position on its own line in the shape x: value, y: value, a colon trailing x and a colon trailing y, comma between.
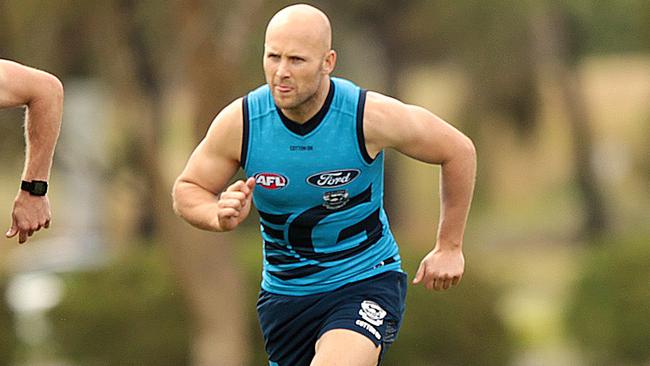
x: 294, y: 66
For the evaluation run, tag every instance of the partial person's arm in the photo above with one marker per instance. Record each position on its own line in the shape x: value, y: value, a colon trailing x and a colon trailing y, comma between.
x: 418, y: 133
x: 42, y: 94
x: 198, y: 194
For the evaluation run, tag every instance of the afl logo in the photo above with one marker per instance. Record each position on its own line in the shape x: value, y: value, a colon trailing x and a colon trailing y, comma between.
x: 333, y: 178
x: 271, y: 180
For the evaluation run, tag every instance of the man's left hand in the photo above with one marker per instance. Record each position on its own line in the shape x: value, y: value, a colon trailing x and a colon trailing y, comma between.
x: 441, y: 269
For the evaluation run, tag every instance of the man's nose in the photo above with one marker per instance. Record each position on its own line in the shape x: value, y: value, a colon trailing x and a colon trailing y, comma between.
x: 283, y: 69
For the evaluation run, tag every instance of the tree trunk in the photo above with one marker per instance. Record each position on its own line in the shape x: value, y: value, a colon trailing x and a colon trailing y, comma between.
x: 554, y: 39
x: 211, y: 276
x: 204, y: 262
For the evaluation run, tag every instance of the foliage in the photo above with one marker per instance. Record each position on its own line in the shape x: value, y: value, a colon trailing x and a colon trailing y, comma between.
x: 456, y: 327
x: 611, y: 26
x: 129, y: 313
x: 8, y: 340
x: 608, y: 312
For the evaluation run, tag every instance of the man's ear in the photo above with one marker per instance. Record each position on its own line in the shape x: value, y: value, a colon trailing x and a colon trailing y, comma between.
x: 329, y: 62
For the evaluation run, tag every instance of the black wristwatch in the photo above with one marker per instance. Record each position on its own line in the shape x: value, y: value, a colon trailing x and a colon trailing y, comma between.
x: 35, y: 187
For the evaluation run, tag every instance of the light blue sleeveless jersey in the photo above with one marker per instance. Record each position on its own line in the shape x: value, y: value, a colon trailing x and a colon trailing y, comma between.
x: 318, y: 193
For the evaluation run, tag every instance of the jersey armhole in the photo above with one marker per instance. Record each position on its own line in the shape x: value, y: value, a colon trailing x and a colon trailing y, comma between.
x: 245, y: 129
x: 361, y: 140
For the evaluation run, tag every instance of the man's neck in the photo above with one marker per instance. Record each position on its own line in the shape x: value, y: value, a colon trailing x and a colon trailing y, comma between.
x: 304, y: 112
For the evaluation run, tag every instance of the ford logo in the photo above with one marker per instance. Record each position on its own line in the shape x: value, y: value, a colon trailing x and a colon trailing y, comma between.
x: 333, y: 178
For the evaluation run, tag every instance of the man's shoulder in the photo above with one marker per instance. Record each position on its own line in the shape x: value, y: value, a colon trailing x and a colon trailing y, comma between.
x: 230, y: 117
x: 225, y: 131
x: 383, y: 118
x: 380, y: 106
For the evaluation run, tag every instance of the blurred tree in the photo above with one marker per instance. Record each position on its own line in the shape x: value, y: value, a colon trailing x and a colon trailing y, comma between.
x: 608, y: 310
x: 211, y: 41
x: 151, y: 53
x: 612, y: 26
x: 559, y: 38
x: 489, y: 40
x: 129, y: 313
x: 168, y: 51
x: 8, y: 339
x: 492, y: 41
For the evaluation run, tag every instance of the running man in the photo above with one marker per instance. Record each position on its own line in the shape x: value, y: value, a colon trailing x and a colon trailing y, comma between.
x: 42, y: 94
x: 312, y: 146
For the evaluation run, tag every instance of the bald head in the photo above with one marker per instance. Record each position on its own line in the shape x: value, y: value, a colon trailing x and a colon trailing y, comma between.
x: 298, y: 59
x: 303, y: 22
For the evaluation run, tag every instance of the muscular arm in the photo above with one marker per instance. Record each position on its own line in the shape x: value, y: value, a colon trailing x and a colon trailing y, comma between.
x: 42, y: 94
x: 197, y: 193
x: 418, y: 133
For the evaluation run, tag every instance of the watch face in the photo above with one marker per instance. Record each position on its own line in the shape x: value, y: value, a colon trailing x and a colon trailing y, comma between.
x: 39, y: 188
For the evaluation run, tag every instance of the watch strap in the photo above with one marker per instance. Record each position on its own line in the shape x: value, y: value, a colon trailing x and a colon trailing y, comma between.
x: 35, y: 187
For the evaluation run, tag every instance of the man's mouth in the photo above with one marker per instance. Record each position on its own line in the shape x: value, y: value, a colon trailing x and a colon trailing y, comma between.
x: 283, y: 88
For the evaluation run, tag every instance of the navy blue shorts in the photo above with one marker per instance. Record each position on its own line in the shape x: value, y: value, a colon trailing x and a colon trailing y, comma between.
x: 291, y: 325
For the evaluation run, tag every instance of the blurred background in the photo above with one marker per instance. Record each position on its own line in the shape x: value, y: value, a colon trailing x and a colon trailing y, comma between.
x: 555, y: 95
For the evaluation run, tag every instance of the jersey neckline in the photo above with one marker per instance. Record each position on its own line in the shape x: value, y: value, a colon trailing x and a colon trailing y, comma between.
x: 303, y: 129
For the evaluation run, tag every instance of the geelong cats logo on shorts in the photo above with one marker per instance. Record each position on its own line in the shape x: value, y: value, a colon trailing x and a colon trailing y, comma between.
x: 372, y: 313
x: 271, y: 180
x: 333, y: 178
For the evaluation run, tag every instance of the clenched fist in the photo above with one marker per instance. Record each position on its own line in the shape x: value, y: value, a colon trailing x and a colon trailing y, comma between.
x: 441, y: 269
x: 234, y: 204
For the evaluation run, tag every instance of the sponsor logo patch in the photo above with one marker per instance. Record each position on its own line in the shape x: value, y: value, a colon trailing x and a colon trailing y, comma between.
x: 301, y: 148
x: 333, y: 178
x: 369, y: 328
x: 372, y: 313
x: 335, y: 199
x: 271, y: 180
